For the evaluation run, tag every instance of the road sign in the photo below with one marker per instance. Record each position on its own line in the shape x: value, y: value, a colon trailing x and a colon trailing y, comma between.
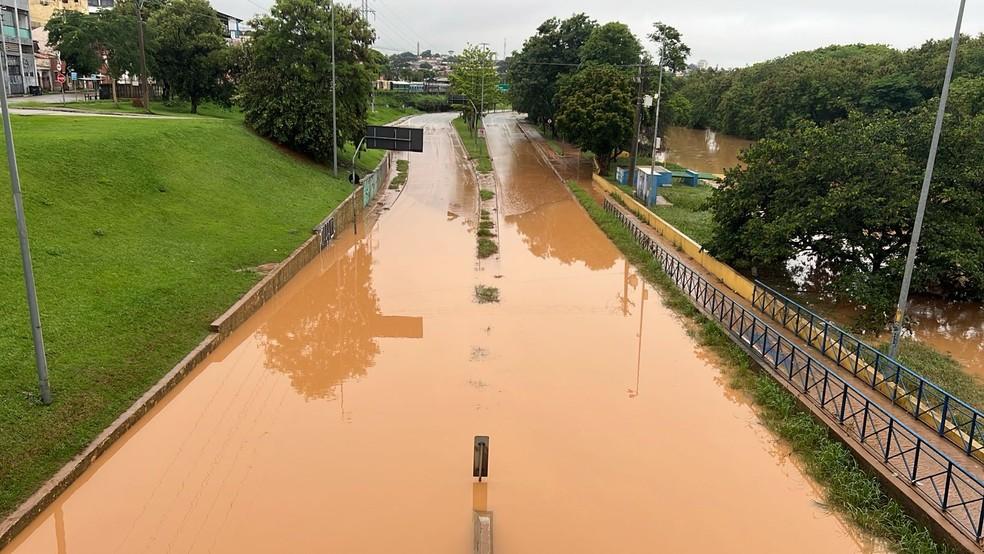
x: 75, y: 76
x: 503, y: 87
x: 60, y: 78
x: 403, y: 139
x: 480, y: 465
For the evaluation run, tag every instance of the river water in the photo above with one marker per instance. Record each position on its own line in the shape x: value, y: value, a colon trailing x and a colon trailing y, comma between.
x: 340, y: 417
x: 703, y: 150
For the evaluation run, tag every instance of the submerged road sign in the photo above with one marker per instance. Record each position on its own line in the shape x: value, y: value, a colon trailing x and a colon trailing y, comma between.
x: 480, y: 464
x: 403, y: 139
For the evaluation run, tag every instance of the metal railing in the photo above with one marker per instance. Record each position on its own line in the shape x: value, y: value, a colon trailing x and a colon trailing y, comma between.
x: 950, y: 417
x: 956, y: 493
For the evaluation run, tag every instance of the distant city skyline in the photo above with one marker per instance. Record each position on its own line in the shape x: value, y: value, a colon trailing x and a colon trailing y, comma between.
x: 722, y: 32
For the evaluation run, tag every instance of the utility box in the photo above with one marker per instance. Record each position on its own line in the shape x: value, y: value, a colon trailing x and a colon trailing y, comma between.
x: 622, y: 175
x: 648, y: 181
x: 692, y: 178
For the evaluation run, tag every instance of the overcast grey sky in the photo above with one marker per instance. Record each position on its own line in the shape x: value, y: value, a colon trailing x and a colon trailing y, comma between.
x: 723, y: 32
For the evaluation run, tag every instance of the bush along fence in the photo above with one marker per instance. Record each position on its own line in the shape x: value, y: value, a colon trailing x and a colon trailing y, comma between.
x: 954, y: 493
x: 951, y: 418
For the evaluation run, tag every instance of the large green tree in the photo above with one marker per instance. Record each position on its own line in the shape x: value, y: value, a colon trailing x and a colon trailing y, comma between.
x: 534, y: 71
x: 595, y: 110
x: 76, y: 36
x: 612, y: 43
x: 285, y: 90
x: 845, y: 195
x: 474, y: 75
x: 191, y: 52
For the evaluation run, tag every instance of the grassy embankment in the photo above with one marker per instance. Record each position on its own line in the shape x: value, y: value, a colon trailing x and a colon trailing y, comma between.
x: 474, y: 145
x: 142, y: 231
x: 847, y: 487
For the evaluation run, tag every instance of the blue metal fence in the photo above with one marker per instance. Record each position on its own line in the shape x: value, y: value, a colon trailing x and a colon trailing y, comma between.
x: 950, y: 417
x: 956, y: 493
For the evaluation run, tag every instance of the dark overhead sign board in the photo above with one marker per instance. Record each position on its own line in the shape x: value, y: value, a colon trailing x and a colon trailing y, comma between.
x: 402, y: 139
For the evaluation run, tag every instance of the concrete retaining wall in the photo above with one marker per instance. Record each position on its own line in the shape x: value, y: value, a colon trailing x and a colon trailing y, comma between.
x: 734, y: 280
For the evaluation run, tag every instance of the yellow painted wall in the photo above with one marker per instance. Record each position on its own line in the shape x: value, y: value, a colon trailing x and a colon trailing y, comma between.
x: 734, y: 280
x: 42, y: 10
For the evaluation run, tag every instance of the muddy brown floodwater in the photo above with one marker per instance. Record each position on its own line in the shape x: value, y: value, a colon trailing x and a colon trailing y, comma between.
x: 703, y: 149
x: 340, y: 417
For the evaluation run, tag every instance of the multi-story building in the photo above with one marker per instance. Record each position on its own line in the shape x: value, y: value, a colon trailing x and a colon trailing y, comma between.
x: 18, y: 45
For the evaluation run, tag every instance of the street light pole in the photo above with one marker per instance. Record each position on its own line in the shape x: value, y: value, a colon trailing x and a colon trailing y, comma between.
x: 924, y: 193
x: 40, y: 360
x: 334, y: 117
x: 137, y: 5
x: 659, y: 96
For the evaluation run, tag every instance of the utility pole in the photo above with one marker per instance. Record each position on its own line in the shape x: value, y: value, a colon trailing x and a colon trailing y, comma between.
x: 40, y: 360
x: 334, y: 116
x: 145, y: 92
x: 659, y: 96
x: 481, y: 110
x: 910, y: 259
x: 637, y: 131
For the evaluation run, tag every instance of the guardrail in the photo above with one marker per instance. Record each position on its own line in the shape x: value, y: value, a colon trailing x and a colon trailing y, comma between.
x: 956, y: 493
x: 950, y: 417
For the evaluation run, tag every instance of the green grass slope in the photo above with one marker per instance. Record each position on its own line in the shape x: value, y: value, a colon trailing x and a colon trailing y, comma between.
x: 142, y: 231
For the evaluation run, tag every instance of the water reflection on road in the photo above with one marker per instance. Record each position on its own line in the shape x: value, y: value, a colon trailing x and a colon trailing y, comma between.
x: 340, y: 417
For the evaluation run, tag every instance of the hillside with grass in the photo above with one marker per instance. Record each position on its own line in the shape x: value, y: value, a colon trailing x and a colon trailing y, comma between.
x: 142, y: 231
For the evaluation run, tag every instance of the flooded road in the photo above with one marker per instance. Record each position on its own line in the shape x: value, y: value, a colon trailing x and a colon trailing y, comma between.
x: 703, y: 149
x: 340, y: 417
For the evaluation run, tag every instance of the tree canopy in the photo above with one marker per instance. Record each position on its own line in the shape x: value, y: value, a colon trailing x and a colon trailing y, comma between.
x: 613, y: 44
x: 845, y: 195
x: 191, y: 53
x: 475, y: 76
x: 596, y: 109
x: 285, y: 89
x: 534, y: 71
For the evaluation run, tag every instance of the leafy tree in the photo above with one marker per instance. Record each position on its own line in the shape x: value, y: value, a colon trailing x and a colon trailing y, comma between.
x: 612, y: 43
x: 285, y: 90
x: 596, y: 109
x: 475, y: 76
x: 118, y: 42
x: 897, y: 92
x: 76, y: 36
x: 672, y: 52
x: 845, y: 194
x: 191, y: 52
x: 534, y: 73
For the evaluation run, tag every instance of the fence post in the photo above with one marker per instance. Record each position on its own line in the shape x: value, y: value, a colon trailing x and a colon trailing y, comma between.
x: 806, y: 381
x: 895, y: 389
x: 970, y: 442
x: 823, y: 393
x: 888, y: 443
x: 823, y: 345
x: 874, y: 373
x: 946, y: 408
x: 946, y: 489
x: 915, y: 462
x: 843, y: 404
x: 864, y: 420
x: 919, y: 398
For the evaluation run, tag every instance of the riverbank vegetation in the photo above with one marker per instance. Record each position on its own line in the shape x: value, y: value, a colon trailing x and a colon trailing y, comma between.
x: 847, y: 488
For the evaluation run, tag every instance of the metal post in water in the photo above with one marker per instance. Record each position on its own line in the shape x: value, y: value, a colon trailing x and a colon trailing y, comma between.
x: 910, y: 259
x: 40, y: 359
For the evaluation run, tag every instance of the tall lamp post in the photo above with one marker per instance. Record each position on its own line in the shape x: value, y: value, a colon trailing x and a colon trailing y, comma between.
x: 910, y: 260
x: 334, y: 119
x: 40, y: 360
x: 659, y: 96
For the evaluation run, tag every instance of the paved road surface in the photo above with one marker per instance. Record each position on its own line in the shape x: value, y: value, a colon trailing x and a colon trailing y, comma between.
x: 340, y: 417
